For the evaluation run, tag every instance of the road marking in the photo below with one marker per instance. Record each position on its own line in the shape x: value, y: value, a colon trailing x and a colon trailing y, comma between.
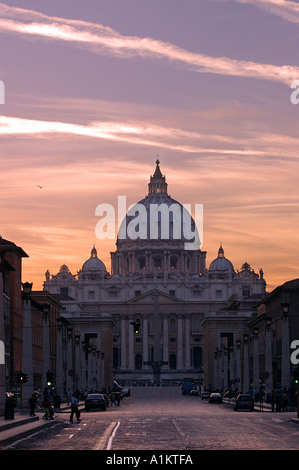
x: 112, y: 436
x: 100, y: 445
x: 70, y: 436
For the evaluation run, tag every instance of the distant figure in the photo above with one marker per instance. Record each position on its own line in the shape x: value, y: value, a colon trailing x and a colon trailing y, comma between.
x: 74, y: 409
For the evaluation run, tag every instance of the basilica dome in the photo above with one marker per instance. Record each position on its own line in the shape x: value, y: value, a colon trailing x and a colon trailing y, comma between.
x: 159, y: 217
x: 221, y: 263
x: 93, y: 263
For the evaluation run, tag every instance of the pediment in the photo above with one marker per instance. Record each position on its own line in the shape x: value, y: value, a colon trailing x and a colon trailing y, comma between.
x: 149, y: 298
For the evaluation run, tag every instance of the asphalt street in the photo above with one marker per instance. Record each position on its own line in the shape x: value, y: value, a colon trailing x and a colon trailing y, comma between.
x: 160, y: 418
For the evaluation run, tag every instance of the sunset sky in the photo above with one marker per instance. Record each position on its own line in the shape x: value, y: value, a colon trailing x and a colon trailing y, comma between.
x: 94, y: 90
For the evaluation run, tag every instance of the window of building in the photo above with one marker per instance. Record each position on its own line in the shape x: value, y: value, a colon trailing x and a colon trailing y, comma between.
x: 112, y: 294
x: 196, y: 324
x: 172, y: 325
x: 196, y: 292
x: 158, y: 262
x: 172, y: 361
x: 141, y: 262
x: 137, y: 293
x: 218, y: 293
x: 246, y: 291
x: 172, y: 292
x: 64, y: 290
x: 91, y: 294
x: 138, y: 361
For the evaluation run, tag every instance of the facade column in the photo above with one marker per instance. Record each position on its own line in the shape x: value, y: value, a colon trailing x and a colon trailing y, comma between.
x: 131, y: 364
x: 256, y: 362
x: 123, y: 345
x: 225, y: 369
x: 231, y: 367
x: 246, y: 365
x: 215, y: 370
x: 180, y: 344
x: 238, y: 360
x: 145, y: 343
x: 187, y: 343
x: 83, y: 368
x: 27, y: 355
x: 165, y: 343
x: 285, y: 359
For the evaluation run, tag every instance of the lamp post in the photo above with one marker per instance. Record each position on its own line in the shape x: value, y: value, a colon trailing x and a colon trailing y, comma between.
x: 231, y: 366
x: 59, y: 357
x: 69, y: 362
x: 246, y: 364
x: 256, y: 369
x: 225, y: 370
x: 215, y: 369
x: 27, y: 353
x: 285, y: 353
x: 77, y: 361
x: 238, y: 358
x: 268, y: 375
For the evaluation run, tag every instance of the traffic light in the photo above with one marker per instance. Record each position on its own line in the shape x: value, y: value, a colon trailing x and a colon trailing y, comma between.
x: 296, y: 376
x: 136, y: 326
x: 21, y: 378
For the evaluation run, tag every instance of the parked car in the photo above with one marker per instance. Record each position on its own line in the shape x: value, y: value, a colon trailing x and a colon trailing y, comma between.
x: 205, y: 395
x: 244, y: 402
x: 215, y: 398
x: 95, y: 401
x: 194, y: 392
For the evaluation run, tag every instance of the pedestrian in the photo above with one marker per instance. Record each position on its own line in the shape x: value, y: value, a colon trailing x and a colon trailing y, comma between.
x: 117, y: 398
x: 284, y: 400
x: 112, y: 399
x: 272, y: 400
x: 74, y: 409
x: 49, y: 413
x: 68, y: 396
x: 32, y: 403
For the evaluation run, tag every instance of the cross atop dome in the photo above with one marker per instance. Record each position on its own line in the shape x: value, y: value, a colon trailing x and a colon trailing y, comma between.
x: 157, y: 184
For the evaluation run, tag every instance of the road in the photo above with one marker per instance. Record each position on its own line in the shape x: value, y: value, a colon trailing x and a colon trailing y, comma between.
x: 160, y: 418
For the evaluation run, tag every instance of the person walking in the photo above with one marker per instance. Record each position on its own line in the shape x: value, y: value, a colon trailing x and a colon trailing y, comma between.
x: 74, y: 409
x: 32, y: 403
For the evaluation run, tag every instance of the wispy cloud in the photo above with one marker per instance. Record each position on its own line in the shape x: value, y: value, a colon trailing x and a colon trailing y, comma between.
x: 134, y: 133
x: 285, y: 9
x: 102, y: 39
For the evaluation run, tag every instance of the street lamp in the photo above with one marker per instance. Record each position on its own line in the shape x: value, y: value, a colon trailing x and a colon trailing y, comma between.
x: 268, y: 323
x: 27, y: 288
x: 285, y: 310
x: 59, y: 323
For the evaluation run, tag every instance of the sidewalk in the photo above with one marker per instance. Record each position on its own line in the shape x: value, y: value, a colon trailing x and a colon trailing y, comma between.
x: 23, y: 425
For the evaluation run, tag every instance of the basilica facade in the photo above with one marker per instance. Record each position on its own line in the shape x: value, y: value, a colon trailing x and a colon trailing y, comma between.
x: 160, y: 313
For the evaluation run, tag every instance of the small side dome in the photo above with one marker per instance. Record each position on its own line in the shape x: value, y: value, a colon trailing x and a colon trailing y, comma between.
x: 93, y: 263
x: 221, y: 263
